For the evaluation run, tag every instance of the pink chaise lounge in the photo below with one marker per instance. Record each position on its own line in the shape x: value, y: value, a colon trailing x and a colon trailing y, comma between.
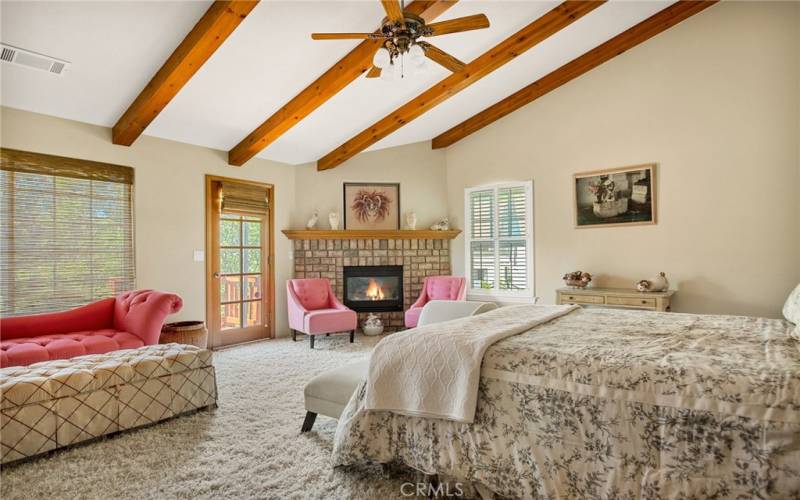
x: 127, y: 321
x: 436, y: 288
x: 314, y: 309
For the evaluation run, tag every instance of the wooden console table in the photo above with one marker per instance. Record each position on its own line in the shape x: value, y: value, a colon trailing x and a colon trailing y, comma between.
x: 628, y: 298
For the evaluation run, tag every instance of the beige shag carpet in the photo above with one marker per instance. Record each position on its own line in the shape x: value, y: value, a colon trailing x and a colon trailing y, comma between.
x: 249, y: 447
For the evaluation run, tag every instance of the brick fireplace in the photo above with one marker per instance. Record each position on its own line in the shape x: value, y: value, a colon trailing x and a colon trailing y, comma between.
x: 327, y: 258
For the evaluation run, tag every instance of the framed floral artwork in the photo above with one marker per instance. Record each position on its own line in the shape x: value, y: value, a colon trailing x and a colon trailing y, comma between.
x: 616, y: 197
x: 371, y: 205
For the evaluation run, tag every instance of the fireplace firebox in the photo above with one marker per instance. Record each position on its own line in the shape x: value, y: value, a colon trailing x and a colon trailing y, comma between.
x: 373, y: 288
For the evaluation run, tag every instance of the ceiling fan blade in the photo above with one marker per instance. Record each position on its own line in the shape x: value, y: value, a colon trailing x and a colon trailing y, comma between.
x: 345, y: 36
x: 374, y: 72
x: 468, y: 23
x: 394, y: 11
x: 441, y: 57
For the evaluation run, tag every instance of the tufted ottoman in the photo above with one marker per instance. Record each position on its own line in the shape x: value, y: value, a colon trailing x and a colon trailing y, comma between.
x: 59, y: 403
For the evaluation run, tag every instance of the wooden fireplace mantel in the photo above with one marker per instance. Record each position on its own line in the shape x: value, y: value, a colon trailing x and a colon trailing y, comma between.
x: 369, y: 234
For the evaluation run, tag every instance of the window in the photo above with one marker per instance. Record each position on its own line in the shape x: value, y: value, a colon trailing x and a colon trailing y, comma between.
x: 499, y: 240
x: 66, y: 228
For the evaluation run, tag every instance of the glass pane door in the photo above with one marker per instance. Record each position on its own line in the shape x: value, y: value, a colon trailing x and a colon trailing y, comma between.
x: 240, y: 293
x: 241, y: 289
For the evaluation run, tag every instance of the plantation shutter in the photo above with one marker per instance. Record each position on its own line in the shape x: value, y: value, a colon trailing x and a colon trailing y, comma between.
x: 481, y: 214
x: 482, y: 264
x: 246, y: 199
x: 511, y: 211
x: 512, y: 230
x: 513, y: 265
x: 66, y: 227
x: 499, y: 238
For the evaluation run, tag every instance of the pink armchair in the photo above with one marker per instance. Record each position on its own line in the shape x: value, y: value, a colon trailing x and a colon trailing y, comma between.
x: 314, y: 309
x: 127, y: 321
x: 436, y: 288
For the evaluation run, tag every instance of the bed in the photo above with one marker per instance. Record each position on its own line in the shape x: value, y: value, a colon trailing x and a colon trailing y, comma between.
x: 602, y: 403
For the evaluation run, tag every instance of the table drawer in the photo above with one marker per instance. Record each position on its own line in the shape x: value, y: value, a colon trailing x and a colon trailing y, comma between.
x: 582, y: 299
x: 631, y: 301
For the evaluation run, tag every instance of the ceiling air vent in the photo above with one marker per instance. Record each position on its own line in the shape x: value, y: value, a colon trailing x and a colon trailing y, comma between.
x: 8, y: 54
x: 22, y: 57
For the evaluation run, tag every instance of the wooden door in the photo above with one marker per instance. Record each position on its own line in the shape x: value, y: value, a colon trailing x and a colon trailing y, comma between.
x: 239, y: 277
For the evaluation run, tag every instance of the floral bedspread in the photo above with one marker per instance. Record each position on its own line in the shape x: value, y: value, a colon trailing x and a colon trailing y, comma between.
x: 605, y: 403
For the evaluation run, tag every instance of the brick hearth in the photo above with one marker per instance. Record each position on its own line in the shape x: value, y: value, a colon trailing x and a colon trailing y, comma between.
x: 419, y: 258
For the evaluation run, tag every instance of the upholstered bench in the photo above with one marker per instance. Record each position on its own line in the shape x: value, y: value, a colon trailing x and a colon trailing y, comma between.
x: 330, y: 391
x: 53, y: 404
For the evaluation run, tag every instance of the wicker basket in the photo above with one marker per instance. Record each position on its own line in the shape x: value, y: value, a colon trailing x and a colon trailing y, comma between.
x: 185, y: 332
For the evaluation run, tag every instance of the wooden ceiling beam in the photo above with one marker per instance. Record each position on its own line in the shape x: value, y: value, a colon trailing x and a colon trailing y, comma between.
x: 558, y: 18
x: 339, y: 76
x: 650, y: 27
x: 208, y: 34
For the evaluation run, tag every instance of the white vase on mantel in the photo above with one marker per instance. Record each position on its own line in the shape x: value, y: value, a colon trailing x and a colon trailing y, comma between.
x: 411, y: 220
x: 333, y: 220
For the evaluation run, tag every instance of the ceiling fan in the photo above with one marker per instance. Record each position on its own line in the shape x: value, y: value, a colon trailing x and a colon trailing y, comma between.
x: 400, y: 33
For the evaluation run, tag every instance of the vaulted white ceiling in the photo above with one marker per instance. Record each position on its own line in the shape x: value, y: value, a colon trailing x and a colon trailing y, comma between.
x: 116, y: 47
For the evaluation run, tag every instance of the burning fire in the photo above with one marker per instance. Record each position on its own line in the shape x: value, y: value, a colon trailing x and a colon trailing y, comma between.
x: 374, y: 291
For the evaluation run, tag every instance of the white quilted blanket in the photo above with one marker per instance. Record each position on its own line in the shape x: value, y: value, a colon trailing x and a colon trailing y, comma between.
x: 433, y: 371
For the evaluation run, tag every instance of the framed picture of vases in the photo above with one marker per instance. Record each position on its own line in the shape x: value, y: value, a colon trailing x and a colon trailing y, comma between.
x: 371, y: 205
x: 623, y: 196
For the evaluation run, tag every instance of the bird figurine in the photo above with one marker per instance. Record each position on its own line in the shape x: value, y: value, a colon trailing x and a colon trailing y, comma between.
x: 442, y: 225
x: 657, y: 284
x: 312, y: 222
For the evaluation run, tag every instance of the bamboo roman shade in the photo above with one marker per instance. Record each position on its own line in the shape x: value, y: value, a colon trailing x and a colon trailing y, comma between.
x: 38, y: 163
x: 248, y: 199
x: 66, y: 227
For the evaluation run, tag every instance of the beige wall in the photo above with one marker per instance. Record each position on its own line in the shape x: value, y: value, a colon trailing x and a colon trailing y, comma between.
x: 714, y: 101
x: 419, y: 170
x: 169, y: 195
x: 169, y: 199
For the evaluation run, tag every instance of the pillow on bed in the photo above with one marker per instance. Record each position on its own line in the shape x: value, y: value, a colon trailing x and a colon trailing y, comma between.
x: 791, y: 309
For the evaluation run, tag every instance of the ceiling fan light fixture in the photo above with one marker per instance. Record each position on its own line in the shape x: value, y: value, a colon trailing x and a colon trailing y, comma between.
x: 382, y: 58
x: 416, y: 55
x: 388, y: 73
x: 414, y: 70
x: 401, y: 52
